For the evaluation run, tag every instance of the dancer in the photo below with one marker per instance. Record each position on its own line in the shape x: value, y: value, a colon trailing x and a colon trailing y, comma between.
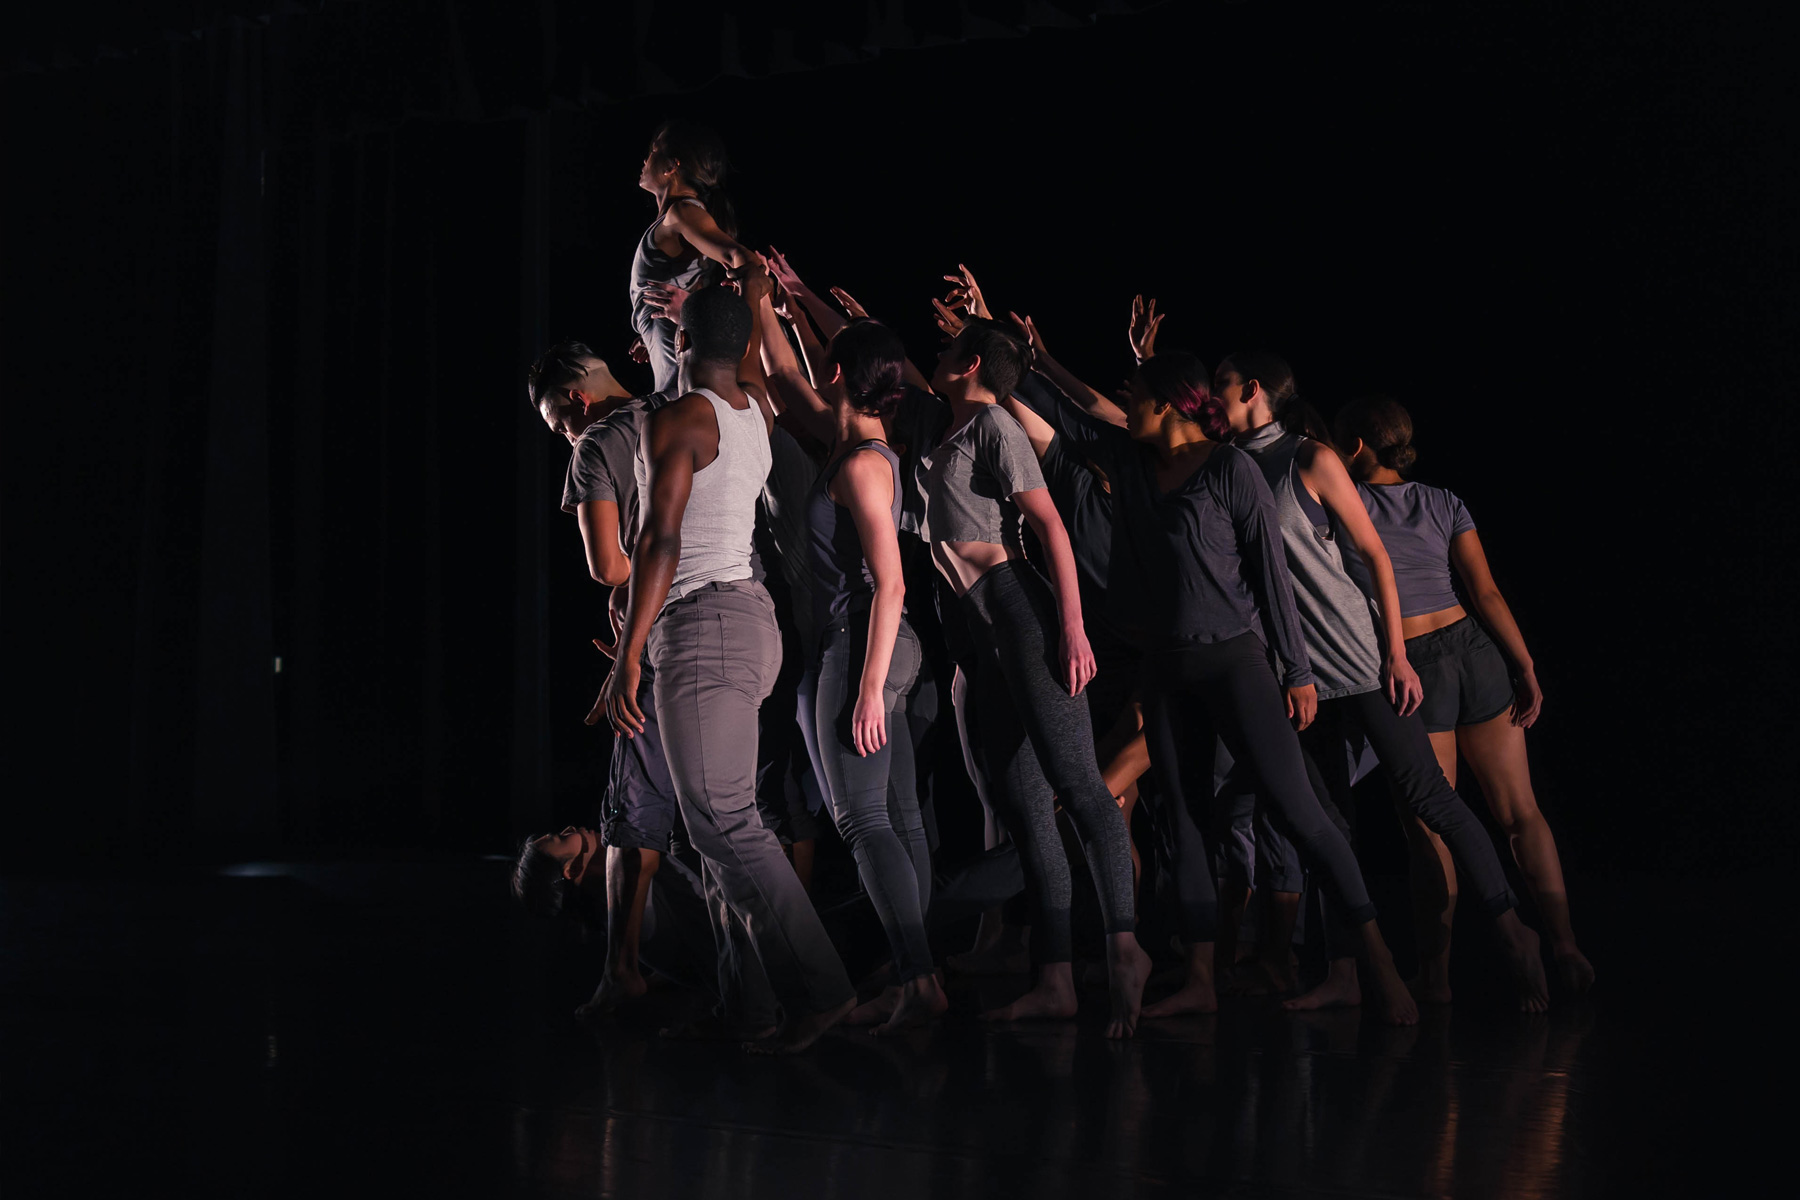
x: 1367, y: 688
x: 1195, y: 571
x: 869, y: 657
x: 1030, y: 660
x: 691, y: 240
x: 579, y: 399
x: 712, y: 639
x: 1479, y: 698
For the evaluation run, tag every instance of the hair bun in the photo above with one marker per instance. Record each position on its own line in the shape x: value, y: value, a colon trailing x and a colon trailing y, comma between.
x: 1398, y: 458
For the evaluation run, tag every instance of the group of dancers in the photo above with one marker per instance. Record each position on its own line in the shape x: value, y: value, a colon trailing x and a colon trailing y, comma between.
x: 1192, y: 591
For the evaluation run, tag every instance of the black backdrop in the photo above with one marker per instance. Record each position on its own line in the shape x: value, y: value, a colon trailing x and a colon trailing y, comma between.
x: 269, y: 288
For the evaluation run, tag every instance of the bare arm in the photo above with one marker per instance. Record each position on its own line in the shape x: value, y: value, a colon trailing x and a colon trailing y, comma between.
x: 1037, y: 429
x: 797, y: 397
x: 680, y: 434
x: 696, y: 226
x: 1471, y: 563
x: 865, y: 485
x: 1078, y: 657
x: 1086, y: 398
x: 1323, y: 471
x: 599, y: 520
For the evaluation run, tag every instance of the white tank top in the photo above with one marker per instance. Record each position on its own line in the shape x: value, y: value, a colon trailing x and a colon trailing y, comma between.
x: 720, y: 522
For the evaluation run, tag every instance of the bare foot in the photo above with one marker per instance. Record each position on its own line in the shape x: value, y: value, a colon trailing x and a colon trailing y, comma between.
x: 921, y: 1000
x: 709, y: 1028
x: 1261, y: 977
x: 1574, y: 971
x: 1520, y: 946
x: 798, y: 1035
x: 1340, y: 989
x: 1194, y: 996
x: 1053, y: 998
x: 614, y: 990
x: 1395, y: 1003
x: 875, y: 1011
x: 1128, y: 970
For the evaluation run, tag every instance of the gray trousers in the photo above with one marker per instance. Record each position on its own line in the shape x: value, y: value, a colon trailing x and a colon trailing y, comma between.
x: 716, y: 653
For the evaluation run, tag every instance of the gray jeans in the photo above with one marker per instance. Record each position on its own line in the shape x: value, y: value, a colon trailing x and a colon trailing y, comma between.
x: 716, y: 653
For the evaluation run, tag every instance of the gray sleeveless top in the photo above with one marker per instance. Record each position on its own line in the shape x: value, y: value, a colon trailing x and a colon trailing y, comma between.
x: 1335, y: 616
x: 719, y: 526
x: 842, y: 582
x: 689, y: 271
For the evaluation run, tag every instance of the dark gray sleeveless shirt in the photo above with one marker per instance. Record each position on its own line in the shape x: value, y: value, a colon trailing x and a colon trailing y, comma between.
x: 689, y: 271
x: 1335, y: 616
x: 842, y: 581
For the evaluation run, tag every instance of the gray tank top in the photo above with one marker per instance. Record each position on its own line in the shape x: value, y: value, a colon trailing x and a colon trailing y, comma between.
x: 842, y: 581
x: 1335, y: 616
x: 719, y: 527
x: 689, y: 271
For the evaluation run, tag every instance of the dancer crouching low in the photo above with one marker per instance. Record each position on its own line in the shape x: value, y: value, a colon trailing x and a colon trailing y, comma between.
x: 1032, y: 660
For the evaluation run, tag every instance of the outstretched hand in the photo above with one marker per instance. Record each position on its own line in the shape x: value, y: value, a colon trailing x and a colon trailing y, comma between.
x: 665, y: 300
x: 1028, y: 327
x: 1145, y: 321
x: 790, y: 282
x: 947, y: 319
x: 849, y: 302
x: 965, y: 293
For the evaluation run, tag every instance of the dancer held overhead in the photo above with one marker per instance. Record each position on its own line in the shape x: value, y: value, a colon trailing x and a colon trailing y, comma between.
x: 688, y: 245
x: 1031, y: 660
x: 1479, y: 698
x: 1196, y: 570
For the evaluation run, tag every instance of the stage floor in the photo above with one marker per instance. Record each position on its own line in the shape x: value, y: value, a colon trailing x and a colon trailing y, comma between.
x: 339, y: 1028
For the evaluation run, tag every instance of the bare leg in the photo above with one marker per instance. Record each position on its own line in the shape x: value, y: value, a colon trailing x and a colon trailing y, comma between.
x: 629, y: 871
x: 1124, y: 757
x: 1127, y: 801
x: 1395, y: 1002
x: 1197, y: 994
x: 1496, y: 753
x: 1273, y: 971
x: 1051, y: 998
x: 1127, y: 971
x: 1433, y: 889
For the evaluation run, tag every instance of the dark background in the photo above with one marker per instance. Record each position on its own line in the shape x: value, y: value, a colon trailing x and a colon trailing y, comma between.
x: 271, y: 282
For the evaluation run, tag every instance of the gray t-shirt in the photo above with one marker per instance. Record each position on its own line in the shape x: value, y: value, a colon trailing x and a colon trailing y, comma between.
x: 601, y: 467
x: 1416, y: 524
x: 970, y: 478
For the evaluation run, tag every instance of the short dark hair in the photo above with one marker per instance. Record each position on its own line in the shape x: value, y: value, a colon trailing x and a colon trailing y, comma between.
x: 559, y: 366
x: 1005, y: 354
x: 717, y: 322
x: 1381, y: 424
x: 873, y: 361
x: 537, y: 881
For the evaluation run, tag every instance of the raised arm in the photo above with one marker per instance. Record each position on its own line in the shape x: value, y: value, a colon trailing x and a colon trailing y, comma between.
x: 1470, y: 561
x: 1323, y: 471
x: 1086, y: 398
x: 865, y: 485
x: 1037, y: 430
x: 680, y: 435
x: 830, y: 321
x: 796, y: 397
x: 1077, y: 656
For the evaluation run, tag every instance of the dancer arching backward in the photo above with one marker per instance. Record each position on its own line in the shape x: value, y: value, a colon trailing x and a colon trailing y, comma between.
x: 1366, y: 686
x: 711, y: 635
x: 1196, y: 568
x: 1479, y: 699
x: 691, y: 240
x: 1032, y: 659
x: 868, y: 655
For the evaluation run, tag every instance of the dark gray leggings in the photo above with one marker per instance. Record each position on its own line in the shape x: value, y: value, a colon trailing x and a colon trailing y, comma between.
x: 875, y: 799
x: 1036, y: 747
x: 1228, y: 689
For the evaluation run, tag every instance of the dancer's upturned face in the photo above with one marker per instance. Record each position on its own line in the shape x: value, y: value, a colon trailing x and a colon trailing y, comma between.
x: 572, y: 848
x: 654, y: 174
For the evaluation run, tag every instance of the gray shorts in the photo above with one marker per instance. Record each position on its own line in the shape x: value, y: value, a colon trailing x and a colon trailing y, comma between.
x: 639, y: 810
x: 1465, y: 676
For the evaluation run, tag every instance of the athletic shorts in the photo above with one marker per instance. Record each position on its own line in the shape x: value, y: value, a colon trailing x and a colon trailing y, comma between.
x: 639, y: 810
x: 1465, y: 676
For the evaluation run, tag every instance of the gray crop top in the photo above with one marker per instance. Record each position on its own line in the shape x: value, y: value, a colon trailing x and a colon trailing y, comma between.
x: 970, y: 478
x: 1417, y: 524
